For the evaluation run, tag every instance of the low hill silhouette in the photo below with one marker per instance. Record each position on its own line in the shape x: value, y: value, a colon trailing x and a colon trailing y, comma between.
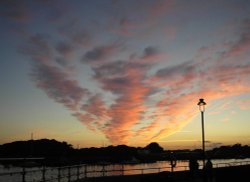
x: 62, y: 153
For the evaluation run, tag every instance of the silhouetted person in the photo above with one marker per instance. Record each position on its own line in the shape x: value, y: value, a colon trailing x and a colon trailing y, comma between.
x: 193, y: 167
x: 209, y: 170
x: 172, y: 162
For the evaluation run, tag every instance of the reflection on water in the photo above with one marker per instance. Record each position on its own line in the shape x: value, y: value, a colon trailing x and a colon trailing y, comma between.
x: 102, y: 170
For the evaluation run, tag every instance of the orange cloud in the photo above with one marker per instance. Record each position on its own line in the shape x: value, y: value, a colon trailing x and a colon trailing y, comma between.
x: 244, y: 104
x: 147, y: 104
x: 129, y: 107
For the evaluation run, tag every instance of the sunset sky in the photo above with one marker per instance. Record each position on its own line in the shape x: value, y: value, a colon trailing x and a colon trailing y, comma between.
x: 107, y: 72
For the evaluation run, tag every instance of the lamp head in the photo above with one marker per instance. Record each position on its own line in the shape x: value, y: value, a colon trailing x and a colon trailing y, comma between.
x: 201, y: 105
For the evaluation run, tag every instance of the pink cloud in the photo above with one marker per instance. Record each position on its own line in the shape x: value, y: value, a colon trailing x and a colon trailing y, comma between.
x: 180, y: 83
x: 144, y: 106
x: 131, y: 24
x: 128, y: 109
x: 244, y: 104
x: 58, y: 86
x: 126, y: 27
x: 173, y: 85
x: 86, y: 119
x: 152, y: 55
x: 38, y: 48
x: 240, y: 48
x: 101, y: 54
x: 160, y: 8
x: 65, y: 49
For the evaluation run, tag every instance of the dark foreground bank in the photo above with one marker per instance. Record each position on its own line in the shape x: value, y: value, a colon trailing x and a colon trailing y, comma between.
x: 225, y: 174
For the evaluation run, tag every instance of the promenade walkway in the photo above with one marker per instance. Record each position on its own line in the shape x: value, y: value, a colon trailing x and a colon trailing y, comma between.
x: 225, y: 174
x: 237, y: 171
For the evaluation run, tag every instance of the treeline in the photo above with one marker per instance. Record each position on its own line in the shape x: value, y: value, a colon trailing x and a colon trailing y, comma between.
x: 62, y: 153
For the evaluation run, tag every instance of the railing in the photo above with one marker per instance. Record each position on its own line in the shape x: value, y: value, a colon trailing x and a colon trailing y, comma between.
x: 76, y: 172
x: 44, y: 174
x: 229, y: 164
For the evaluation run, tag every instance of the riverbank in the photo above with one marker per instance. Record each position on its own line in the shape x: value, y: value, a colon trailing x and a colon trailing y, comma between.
x: 224, y: 174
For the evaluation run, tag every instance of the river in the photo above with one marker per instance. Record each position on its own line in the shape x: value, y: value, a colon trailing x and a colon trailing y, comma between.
x: 104, y: 170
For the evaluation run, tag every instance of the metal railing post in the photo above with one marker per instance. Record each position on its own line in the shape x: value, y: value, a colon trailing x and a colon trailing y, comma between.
x: 59, y: 174
x: 78, y: 172
x: 23, y: 174
x: 122, y: 169
x: 103, y: 170
x: 43, y: 174
x: 69, y: 175
x: 85, y: 171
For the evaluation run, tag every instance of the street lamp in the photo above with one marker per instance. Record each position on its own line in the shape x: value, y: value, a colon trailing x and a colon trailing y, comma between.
x: 201, y: 105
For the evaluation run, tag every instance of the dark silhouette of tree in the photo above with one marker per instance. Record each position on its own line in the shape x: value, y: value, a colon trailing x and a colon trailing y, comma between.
x: 154, y: 148
x: 62, y: 153
x: 40, y: 148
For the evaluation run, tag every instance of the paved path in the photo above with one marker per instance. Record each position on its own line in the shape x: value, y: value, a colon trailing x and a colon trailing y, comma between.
x: 226, y: 174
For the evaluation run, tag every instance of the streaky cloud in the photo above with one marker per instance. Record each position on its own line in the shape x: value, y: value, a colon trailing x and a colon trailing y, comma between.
x: 147, y: 101
x: 57, y: 86
x: 100, y: 53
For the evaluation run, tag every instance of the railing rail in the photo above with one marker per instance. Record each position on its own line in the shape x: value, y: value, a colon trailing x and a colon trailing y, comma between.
x: 75, y: 172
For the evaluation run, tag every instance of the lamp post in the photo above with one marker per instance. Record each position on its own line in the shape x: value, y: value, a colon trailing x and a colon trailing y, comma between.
x: 201, y: 105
